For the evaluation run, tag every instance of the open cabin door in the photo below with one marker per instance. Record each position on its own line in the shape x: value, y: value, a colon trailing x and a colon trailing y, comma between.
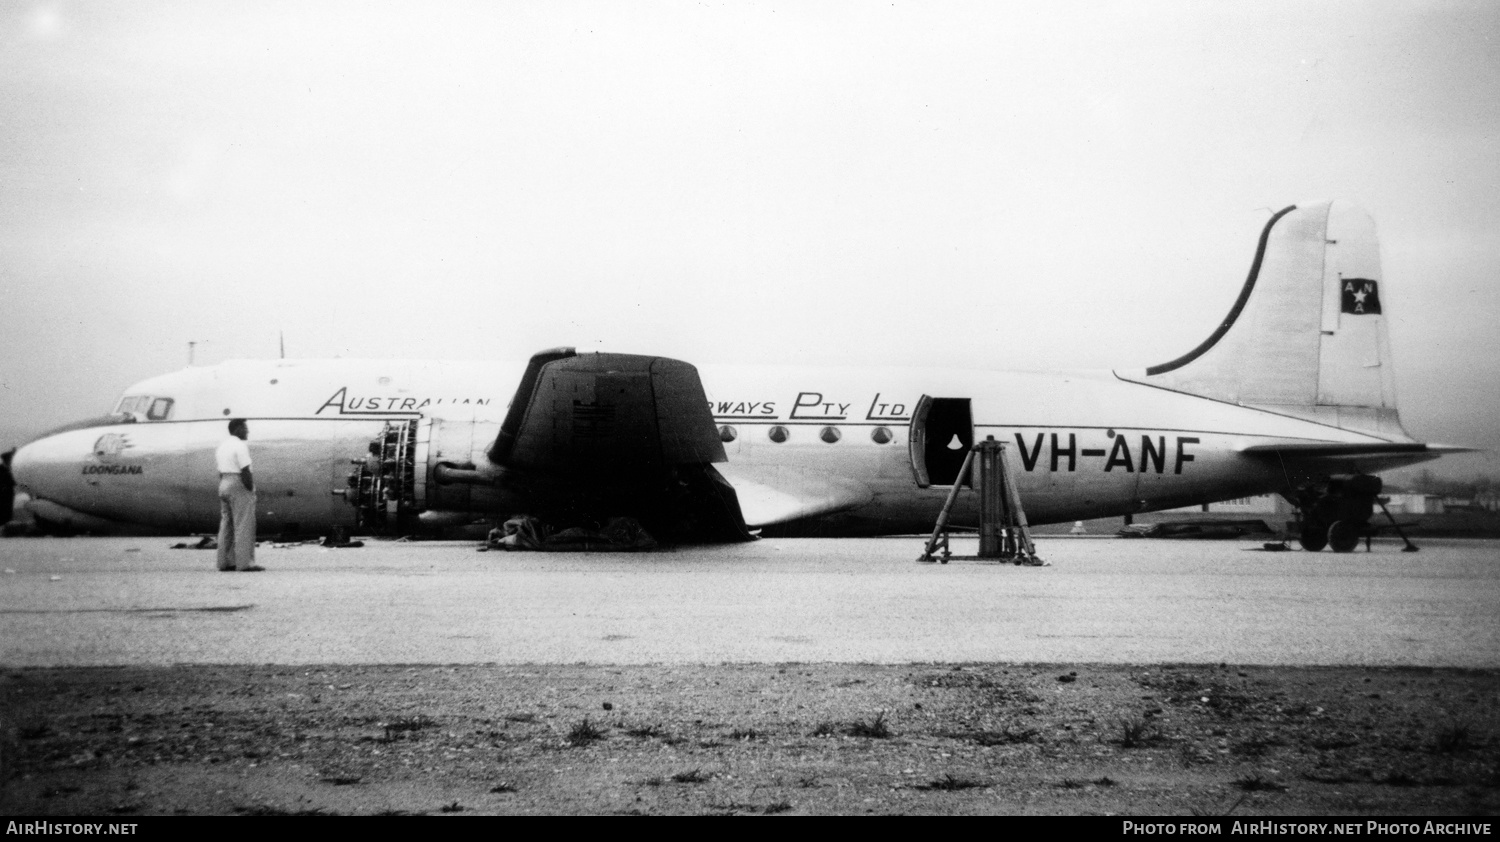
x: 942, y: 431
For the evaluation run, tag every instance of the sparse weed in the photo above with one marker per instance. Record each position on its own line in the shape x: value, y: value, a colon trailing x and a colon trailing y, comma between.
x: 1199, y: 811
x: 1106, y: 781
x: 745, y: 734
x: 1070, y: 783
x: 948, y: 783
x: 645, y: 731
x: 695, y: 776
x: 503, y: 787
x: 875, y: 729
x: 406, y: 725
x: 585, y: 733
x: 825, y: 729
x: 452, y: 807
x: 778, y: 807
x: 1136, y: 731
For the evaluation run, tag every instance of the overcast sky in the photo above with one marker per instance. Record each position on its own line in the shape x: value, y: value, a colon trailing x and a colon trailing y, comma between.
x: 1008, y: 185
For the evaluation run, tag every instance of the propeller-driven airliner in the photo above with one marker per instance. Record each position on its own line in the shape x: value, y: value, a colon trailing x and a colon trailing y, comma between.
x: 1292, y: 393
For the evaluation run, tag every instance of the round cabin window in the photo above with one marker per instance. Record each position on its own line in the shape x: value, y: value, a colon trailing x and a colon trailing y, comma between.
x: 778, y: 434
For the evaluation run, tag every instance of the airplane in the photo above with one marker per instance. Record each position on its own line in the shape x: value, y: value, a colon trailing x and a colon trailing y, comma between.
x: 1292, y: 393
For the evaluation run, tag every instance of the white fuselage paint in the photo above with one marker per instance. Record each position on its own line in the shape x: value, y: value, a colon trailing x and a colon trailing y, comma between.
x: 1082, y: 445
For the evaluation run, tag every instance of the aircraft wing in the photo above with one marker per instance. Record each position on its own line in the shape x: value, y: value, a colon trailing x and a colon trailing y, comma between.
x: 614, y: 434
x: 620, y: 420
x: 779, y: 495
x: 607, y: 414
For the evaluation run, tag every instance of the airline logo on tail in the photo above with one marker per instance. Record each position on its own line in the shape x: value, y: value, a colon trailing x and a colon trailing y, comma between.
x: 1361, y: 297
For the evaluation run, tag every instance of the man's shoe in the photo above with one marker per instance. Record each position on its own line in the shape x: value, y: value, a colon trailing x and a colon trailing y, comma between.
x: 251, y: 569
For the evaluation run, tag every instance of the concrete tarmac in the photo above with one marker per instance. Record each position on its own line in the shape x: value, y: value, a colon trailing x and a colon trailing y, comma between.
x: 133, y: 601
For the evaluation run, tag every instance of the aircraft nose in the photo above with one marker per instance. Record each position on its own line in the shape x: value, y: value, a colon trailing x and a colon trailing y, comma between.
x: 42, y: 467
x: 55, y: 472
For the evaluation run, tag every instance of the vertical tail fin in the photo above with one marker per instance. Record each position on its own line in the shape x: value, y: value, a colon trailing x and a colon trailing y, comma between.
x: 1307, y: 335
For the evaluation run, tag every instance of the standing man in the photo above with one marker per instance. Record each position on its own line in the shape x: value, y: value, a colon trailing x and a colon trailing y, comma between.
x: 236, y: 501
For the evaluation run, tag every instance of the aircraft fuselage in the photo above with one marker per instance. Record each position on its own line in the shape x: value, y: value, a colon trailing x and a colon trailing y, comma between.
x: 822, y: 451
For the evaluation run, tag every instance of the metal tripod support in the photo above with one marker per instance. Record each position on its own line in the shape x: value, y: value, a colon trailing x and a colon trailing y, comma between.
x: 1410, y: 547
x: 1003, y: 531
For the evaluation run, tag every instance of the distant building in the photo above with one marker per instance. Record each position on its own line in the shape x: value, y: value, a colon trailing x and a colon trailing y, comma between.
x: 1487, y: 500
x: 1261, y: 505
x: 1404, y: 503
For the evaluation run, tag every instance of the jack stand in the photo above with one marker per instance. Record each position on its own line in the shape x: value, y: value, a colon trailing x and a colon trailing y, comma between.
x: 1003, y: 531
x: 1410, y: 547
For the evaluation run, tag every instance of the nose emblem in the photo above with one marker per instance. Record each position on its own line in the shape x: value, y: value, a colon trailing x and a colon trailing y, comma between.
x: 110, y: 445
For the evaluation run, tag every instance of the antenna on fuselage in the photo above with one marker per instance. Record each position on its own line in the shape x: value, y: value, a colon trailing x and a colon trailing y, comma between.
x: 193, y: 347
x: 281, y: 335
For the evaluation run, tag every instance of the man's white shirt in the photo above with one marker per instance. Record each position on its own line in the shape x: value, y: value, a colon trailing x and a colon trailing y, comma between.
x: 233, y: 455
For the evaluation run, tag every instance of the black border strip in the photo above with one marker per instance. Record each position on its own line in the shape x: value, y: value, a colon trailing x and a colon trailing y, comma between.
x: 1234, y: 312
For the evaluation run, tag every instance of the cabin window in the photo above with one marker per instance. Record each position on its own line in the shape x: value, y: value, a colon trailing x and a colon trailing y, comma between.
x: 728, y: 434
x: 881, y: 435
x: 160, y: 409
x: 830, y: 434
x: 778, y: 434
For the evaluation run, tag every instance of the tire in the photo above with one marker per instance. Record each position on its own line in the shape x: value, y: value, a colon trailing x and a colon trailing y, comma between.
x: 1343, y: 535
x: 1314, y: 536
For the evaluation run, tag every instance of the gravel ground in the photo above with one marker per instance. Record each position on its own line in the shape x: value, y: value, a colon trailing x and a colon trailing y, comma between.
x: 750, y: 739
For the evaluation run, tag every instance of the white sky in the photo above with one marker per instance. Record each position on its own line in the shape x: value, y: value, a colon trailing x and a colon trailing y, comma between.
x: 1009, y: 185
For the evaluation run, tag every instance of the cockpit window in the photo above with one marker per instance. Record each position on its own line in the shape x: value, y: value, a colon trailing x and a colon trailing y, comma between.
x: 130, y: 405
x: 145, y: 407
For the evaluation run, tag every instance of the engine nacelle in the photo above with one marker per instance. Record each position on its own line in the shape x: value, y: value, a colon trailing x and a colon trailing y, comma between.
x: 424, y: 466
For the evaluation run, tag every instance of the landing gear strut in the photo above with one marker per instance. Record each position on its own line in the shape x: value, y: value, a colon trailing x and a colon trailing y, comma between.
x: 1336, y: 513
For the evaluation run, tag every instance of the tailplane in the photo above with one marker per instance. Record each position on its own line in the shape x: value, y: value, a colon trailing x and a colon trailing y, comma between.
x: 1307, y: 335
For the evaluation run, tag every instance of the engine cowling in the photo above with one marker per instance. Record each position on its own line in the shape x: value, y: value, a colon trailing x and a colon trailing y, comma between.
x: 424, y: 471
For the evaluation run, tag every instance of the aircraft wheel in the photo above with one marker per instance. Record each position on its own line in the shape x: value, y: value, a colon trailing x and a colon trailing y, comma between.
x: 1343, y: 536
x: 1314, y: 537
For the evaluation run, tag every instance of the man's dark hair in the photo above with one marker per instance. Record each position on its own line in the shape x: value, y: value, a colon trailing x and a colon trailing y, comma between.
x: 236, y: 422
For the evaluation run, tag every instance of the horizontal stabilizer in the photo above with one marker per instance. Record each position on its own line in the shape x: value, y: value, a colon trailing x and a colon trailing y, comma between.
x: 1374, y: 448
x: 1311, y: 449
